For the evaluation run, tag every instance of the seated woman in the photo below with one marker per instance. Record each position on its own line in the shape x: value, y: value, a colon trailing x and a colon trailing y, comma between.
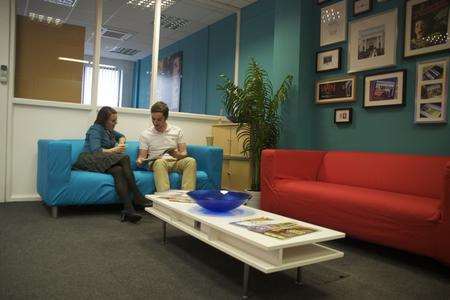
x: 101, y: 154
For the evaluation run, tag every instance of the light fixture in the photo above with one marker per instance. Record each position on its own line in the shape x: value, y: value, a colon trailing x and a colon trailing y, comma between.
x: 174, y: 23
x: 151, y: 3
x: 84, y: 62
x: 68, y: 3
x: 44, y: 19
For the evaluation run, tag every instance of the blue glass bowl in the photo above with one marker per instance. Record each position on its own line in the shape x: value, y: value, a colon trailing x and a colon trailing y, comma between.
x: 219, y: 200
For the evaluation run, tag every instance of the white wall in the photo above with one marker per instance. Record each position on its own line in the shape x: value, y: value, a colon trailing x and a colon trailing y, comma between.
x: 31, y: 123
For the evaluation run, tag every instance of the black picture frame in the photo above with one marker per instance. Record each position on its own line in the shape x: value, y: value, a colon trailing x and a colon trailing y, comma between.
x: 349, y: 110
x: 339, y: 58
x: 362, y: 12
x: 320, y: 2
x: 386, y: 102
x: 411, y: 53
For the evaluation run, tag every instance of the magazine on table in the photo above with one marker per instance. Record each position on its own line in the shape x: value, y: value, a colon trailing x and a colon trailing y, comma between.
x: 174, y: 196
x: 274, y: 228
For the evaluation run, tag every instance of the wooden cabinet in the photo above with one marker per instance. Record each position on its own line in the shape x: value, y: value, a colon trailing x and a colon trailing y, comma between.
x: 236, y: 168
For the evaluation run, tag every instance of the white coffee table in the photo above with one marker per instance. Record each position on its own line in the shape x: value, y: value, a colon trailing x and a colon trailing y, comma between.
x: 256, y: 250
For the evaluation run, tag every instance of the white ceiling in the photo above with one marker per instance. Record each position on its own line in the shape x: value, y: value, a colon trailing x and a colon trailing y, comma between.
x: 117, y: 14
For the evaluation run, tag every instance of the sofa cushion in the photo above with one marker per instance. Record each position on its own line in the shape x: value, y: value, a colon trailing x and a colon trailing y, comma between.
x: 418, y: 175
x: 360, y: 201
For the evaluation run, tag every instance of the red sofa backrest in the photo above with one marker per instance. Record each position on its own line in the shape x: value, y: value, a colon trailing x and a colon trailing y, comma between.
x: 409, y: 174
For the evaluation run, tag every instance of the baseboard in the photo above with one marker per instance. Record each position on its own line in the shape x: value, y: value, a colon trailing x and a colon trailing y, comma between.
x: 25, y: 198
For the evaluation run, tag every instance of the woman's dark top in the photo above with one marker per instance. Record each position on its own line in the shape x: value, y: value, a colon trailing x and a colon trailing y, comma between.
x: 98, y: 138
x: 92, y: 158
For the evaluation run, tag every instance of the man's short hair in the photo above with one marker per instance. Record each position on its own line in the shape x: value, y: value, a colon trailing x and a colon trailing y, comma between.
x: 160, y: 107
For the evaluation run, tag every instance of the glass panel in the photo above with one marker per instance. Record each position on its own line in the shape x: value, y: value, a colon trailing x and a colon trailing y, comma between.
x: 126, y: 39
x: 52, y: 39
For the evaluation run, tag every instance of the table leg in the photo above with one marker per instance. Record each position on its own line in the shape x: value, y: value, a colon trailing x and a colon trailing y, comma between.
x: 299, y: 276
x: 245, y: 282
x: 164, y: 225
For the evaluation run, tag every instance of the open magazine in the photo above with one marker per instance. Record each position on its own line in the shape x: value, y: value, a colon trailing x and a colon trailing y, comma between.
x: 273, y: 228
x: 151, y: 160
x: 174, y: 196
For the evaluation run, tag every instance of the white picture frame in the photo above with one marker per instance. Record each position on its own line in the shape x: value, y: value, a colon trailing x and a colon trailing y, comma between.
x: 372, y: 42
x: 427, y: 26
x: 333, y: 23
x: 431, y: 91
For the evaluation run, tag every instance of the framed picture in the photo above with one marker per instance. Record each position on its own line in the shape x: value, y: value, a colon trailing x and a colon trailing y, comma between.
x: 385, y: 89
x: 361, y: 6
x: 169, y: 80
x: 427, y: 26
x: 332, y: 90
x: 343, y: 115
x: 431, y: 91
x: 321, y: 1
x: 333, y: 23
x: 328, y: 60
x: 373, y: 42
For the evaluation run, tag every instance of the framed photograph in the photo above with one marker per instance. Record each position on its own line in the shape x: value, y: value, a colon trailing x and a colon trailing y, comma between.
x: 321, y: 1
x: 372, y: 42
x: 333, y: 23
x: 427, y: 26
x: 431, y: 91
x: 361, y: 6
x: 328, y: 60
x: 385, y: 89
x: 343, y: 115
x: 333, y: 90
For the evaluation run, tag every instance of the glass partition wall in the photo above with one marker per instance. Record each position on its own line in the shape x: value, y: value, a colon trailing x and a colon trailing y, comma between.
x: 55, y: 52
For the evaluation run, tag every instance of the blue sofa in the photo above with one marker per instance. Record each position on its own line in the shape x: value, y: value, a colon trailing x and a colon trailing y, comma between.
x: 59, y: 185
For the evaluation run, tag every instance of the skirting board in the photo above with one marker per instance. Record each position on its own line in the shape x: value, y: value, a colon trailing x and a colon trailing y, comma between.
x: 25, y: 198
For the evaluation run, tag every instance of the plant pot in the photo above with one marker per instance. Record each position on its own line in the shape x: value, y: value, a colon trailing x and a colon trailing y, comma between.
x: 254, y: 201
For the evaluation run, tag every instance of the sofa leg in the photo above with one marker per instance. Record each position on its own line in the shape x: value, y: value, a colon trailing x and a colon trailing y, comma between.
x: 55, y: 212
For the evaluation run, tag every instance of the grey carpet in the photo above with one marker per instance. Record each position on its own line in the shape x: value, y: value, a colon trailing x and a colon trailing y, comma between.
x: 88, y: 254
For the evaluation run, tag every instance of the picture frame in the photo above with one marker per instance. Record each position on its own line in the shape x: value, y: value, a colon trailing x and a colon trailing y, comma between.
x: 431, y: 91
x: 335, y: 90
x: 333, y: 23
x: 427, y: 27
x: 362, y: 6
x: 372, y: 42
x: 328, y: 60
x: 385, y: 89
x: 343, y: 115
x: 320, y: 2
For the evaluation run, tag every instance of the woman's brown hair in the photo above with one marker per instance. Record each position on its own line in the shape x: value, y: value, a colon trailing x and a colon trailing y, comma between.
x: 103, y: 115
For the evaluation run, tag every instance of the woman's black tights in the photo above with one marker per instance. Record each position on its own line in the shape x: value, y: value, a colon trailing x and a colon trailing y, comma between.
x: 124, y: 182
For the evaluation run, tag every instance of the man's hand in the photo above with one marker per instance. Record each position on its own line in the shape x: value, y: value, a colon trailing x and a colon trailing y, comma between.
x: 177, y: 154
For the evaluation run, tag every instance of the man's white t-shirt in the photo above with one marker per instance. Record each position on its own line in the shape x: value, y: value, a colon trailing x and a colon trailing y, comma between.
x: 157, y: 142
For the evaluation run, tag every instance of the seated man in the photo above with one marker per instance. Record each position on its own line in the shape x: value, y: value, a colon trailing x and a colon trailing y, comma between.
x: 163, y: 146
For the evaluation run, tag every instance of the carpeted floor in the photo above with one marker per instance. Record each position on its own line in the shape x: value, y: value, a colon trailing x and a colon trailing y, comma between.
x: 88, y: 253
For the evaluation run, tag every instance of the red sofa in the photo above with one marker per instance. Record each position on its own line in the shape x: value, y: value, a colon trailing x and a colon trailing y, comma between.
x: 402, y: 201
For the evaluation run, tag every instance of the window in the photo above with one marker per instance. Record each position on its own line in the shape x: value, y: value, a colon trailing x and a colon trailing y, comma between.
x: 109, y: 86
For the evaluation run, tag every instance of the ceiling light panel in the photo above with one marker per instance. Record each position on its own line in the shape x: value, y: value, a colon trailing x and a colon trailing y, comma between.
x: 44, y: 19
x: 173, y: 23
x: 67, y: 3
x: 151, y: 3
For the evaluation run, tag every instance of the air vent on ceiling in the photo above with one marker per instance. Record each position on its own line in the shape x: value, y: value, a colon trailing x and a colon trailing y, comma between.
x: 174, y: 23
x: 124, y: 51
x: 116, y: 34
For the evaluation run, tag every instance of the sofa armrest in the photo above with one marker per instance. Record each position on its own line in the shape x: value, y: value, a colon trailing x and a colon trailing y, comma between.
x: 291, y: 164
x: 446, y: 194
x: 54, y: 167
x: 209, y: 160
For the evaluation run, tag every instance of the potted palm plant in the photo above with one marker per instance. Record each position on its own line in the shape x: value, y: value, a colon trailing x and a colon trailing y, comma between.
x: 255, y: 108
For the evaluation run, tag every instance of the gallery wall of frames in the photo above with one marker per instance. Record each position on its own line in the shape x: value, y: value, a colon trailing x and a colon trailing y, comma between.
x: 385, y: 61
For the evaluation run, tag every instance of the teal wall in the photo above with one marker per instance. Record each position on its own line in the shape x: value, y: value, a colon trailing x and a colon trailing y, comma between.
x: 387, y: 129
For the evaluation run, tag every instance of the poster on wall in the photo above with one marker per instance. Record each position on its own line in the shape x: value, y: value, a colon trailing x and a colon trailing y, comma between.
x: 427, y: 26
x: 169, y: 80
x: 373, y: 42
x: 431, y: 91
x: 384, y: 89
x: 332, y: 90
x: 333, y: 23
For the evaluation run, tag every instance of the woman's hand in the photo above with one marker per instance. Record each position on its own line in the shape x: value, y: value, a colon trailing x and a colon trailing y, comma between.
x: 120, y: 148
